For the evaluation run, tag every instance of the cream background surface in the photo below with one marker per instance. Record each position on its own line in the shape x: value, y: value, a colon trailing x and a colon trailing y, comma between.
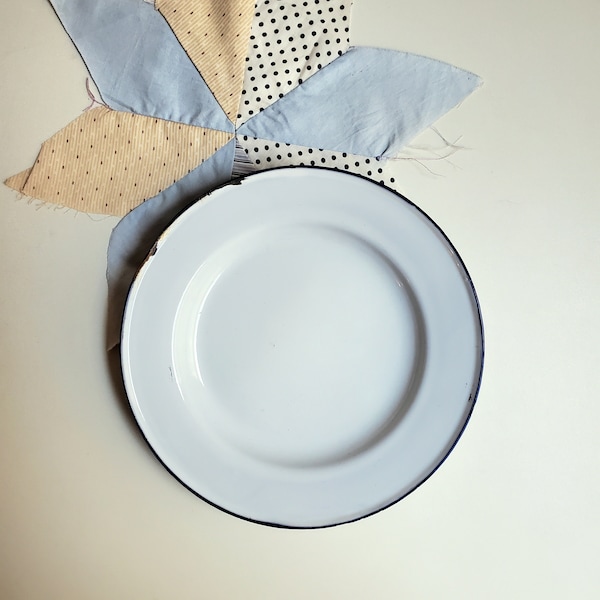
x: 86, y: 511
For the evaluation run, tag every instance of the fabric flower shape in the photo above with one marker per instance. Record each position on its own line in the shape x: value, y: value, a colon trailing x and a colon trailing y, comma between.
x: 196, y: 92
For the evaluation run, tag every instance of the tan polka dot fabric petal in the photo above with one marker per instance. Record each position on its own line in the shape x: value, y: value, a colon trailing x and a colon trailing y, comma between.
x: 109, y: 162
x: 267, y: 154
x: 18, y: 181
x: 290, y: 41
x: 214, y: 33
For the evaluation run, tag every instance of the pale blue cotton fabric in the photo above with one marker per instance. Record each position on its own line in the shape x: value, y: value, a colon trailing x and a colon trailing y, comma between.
x: 369, y: 101
x: 137, y: 63
x: 133, y: 237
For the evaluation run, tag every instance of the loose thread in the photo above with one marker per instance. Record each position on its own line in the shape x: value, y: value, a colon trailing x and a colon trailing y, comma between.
x: 430, y: 154
x: 92, y: 216
x: 91, y: 96
x: 39, y: 204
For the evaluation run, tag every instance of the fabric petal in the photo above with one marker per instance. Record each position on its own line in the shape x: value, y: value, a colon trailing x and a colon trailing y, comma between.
x: 134, y: 236
x: 369, y: 102
x: 266, y: 154
x: 108, y: 162
x: 137, y: 63
x: 17, y: 182
x: 289, y: 44
x: 215, y: 36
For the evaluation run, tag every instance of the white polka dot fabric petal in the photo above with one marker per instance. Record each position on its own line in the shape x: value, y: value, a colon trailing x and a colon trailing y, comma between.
x: 267, y: 154
x: 289, y: 42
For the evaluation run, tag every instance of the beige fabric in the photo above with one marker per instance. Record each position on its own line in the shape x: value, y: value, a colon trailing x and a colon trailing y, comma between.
x: 215, y: 34
x: 109, y: 162
x: 17, y: 182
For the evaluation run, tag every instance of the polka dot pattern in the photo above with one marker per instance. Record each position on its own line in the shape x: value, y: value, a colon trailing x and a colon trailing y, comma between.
x: 215, y: 36
x: 108, y: 162
x: 289, y: 42
x: 265, y: 154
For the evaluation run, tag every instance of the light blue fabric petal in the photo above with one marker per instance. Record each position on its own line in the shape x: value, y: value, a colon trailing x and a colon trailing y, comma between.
x: 137, y: 62
x: 369, y: 101
x: 133, y: 237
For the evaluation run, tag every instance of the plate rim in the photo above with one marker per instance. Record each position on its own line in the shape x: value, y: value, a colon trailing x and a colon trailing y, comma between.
x: 471, y: 400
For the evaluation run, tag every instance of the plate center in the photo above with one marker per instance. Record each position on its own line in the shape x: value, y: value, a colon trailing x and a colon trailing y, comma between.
x: 306, y: 345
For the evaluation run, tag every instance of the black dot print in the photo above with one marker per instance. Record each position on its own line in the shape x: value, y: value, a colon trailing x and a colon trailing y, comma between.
x: 296, y: 30
x: 267, y: 154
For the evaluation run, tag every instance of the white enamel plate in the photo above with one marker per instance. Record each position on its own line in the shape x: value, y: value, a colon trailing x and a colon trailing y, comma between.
x: 303, y: 348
